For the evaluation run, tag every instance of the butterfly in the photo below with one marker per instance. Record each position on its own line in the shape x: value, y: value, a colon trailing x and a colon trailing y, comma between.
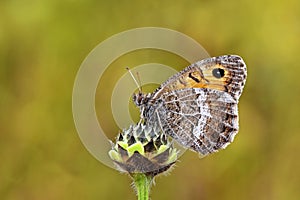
x: 198, y: 106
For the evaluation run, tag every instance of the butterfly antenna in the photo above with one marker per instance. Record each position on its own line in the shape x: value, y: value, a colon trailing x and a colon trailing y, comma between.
x: 139, y: 80
x: 134, y: 79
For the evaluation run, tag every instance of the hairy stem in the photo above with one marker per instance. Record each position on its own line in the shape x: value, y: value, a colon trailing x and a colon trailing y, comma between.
x: 142, y: 183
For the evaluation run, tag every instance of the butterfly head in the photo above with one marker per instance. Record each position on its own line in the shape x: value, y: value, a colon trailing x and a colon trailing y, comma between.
x: 139, y: 99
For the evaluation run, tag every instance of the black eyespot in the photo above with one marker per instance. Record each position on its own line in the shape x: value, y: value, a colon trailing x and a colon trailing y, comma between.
x: 218, y: 72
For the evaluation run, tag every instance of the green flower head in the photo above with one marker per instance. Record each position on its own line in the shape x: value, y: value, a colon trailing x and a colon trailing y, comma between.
x: 143, y: 149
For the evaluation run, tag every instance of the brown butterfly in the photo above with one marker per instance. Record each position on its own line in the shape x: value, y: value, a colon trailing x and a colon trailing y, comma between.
x: 198, y: 106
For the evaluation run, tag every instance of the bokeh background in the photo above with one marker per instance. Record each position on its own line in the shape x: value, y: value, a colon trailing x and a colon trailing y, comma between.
x: 43, y: 43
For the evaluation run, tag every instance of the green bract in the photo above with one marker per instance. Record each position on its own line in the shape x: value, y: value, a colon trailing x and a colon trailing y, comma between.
x: 143, y: 149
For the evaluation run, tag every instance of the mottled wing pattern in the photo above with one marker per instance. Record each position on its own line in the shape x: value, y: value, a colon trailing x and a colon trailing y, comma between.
x: 232, y: 76
x: 198, y: 105
x: 201, y: 119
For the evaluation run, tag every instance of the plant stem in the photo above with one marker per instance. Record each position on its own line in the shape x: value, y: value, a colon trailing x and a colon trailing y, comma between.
x: 142, y: 184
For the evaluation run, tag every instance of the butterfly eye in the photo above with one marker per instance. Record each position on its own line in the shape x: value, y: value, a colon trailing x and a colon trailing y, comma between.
x: 218, y: 72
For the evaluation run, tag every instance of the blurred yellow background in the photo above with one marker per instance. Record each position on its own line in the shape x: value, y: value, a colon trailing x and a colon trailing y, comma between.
x: 43, y: 43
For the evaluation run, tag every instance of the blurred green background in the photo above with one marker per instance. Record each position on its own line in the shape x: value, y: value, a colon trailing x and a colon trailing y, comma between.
x: 42, y: 44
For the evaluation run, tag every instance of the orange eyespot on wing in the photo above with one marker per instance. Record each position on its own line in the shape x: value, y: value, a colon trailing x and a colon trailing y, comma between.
x: 214, y: 77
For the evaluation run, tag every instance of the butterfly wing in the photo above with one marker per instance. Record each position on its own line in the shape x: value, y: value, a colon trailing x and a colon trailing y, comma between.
x: 201, y: 119
x: 224, y: 73
x: 198, y: 105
